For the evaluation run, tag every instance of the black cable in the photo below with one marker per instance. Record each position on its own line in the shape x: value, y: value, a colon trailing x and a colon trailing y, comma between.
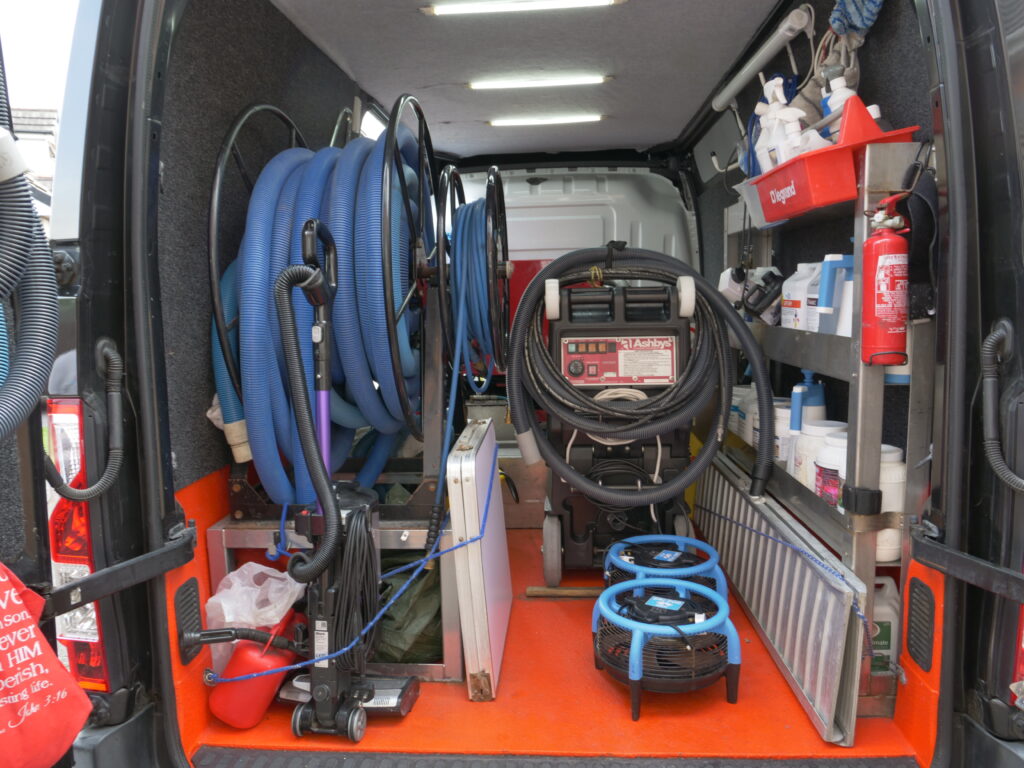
x: 227, y: 151
x: 231, y: 634
x: 115, y: 437
x: 358, y: 592
x: 534, y: 382
x: 991, y: 347
x: 302, y: 567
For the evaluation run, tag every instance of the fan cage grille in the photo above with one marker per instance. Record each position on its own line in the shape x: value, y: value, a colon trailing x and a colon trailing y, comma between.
x: 664, y: 658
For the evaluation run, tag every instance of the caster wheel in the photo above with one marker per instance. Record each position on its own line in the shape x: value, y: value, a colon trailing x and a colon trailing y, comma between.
x: 302, y: 718
x: 552, y: 550
x: 355, y: 728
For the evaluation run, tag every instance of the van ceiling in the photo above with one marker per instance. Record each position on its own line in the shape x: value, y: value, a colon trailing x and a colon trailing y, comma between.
x: 664, y: 56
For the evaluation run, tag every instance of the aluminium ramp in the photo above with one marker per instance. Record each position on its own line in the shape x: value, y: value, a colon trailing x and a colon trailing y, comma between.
x: 803, y: 612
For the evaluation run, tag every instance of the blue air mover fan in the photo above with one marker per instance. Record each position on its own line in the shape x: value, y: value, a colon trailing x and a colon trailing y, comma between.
x: 665, y: 644
x: 665, y: 557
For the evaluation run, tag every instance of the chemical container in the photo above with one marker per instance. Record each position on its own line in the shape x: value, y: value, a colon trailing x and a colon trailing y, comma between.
x: 829, y: 466
x: 796, y: 310
x: 886, y: 629
x: 754, y: 418
x: 811, y: 440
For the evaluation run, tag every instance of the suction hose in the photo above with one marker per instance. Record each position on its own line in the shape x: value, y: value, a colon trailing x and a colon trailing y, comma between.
x: 991, y: 348
x: 26, y: 274
x: 534, y: 381
x: 301, y: 567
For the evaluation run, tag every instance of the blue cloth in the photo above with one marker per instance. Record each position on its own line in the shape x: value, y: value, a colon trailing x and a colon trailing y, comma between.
x: 854, y: 16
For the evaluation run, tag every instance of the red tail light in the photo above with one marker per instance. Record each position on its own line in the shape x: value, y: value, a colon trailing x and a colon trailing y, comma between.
x: 79, y: 632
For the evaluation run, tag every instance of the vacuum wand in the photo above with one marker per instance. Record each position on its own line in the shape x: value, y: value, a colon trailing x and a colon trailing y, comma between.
x: 319, y: 292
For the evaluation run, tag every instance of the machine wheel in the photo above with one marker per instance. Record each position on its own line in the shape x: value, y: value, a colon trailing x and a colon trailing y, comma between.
x: 552, y: 550
x: 683, y: 525
x: 356, y: 725
x: 302, y: 717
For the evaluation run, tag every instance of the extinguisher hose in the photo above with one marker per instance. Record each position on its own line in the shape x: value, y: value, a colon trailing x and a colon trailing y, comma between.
x: 991, y: 348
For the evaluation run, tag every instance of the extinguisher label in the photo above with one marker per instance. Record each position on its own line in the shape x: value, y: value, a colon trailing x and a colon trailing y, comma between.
x: 891, y: 277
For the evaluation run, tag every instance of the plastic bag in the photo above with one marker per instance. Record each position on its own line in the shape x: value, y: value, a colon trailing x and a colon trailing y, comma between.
x: 42, y: 708
x: 250, y: 596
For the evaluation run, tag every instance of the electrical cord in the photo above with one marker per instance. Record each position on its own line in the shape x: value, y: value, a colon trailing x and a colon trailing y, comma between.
x: 115, y: 437
x: 357, y: 596
x: 535, y: 382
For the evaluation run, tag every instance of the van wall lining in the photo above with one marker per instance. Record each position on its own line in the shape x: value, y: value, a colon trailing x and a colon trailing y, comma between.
x: 226, y: 55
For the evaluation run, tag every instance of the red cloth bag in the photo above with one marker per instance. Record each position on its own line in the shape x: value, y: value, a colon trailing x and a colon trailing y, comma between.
x: 42, y: 708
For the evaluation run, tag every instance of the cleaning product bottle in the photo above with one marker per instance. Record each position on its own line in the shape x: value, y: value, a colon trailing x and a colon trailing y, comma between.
x: 796, y: 410
x: 775, y: 100
x: 830, y: 292
x: 885, y: 632
x: 840, y: 93
x: 794, y: 296
x: 786, y: 143
x: 813, y: 400
x: 810, y: 317
x: 876, y: 113
x: 812, y: 140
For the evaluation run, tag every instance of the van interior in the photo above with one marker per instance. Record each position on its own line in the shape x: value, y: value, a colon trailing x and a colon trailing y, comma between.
x: 654, y: 150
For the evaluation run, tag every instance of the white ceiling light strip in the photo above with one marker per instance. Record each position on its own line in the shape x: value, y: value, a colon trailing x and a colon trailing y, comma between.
x: 537, y: 82
x: 513, y: 6
x: 545, y: 120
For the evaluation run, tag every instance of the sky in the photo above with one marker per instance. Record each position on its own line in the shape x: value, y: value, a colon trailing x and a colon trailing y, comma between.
x: 36, y: 38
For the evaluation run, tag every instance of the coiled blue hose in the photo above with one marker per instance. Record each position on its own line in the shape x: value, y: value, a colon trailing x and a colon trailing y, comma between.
x: 469, y: 284
x: 230, y: 405
x: 339, y: 187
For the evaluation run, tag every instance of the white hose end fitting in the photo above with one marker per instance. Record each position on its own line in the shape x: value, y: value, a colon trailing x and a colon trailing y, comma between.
x: 237, y: 435
x: 11, y: 162
x: 528, y: 447
x: 552, y: 305
x: 686, y: 289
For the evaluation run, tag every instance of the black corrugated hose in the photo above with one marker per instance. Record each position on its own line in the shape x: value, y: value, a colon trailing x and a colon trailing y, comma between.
x: 534, y: 381
x: 991, y: 443
x: 305, y: 568
x: 115, y: 440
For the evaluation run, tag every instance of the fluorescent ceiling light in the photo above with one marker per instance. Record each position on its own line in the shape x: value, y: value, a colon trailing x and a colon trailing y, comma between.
x: 371, y: 126
x: 508, y: 6
x: 538, y: 82
x: 545, y: 120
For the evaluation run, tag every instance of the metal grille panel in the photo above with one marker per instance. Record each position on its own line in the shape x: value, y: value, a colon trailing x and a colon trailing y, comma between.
x: 804, y: 614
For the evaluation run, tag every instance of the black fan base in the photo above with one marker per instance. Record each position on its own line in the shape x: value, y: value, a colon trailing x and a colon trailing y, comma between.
x: 731, y: 673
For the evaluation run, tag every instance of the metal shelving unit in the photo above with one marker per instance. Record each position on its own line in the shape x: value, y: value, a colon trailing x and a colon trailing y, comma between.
x: 879, y: 172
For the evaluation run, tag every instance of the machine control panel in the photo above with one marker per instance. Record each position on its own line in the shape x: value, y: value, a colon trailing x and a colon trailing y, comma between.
x: 606, y: 361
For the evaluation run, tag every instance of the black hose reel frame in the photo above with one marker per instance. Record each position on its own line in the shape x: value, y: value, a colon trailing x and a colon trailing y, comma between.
x: 228, y: 149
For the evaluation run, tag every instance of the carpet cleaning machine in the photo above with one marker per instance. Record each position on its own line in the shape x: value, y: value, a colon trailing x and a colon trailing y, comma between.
x: 346, y: 327
x: 637, y: 347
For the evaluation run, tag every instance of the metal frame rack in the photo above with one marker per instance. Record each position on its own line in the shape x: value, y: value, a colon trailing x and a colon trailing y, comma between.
x: 879, y: 173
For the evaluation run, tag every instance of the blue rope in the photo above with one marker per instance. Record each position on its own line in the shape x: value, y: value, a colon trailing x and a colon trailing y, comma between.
x: 815, y: 560
x: 420, y: 566
x: 282, y: 539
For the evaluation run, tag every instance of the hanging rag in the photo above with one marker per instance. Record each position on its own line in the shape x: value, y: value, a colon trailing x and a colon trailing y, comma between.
x: 854, y: 16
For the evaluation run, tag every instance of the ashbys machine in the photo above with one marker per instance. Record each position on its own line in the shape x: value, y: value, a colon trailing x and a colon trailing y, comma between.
x: 621, y: 373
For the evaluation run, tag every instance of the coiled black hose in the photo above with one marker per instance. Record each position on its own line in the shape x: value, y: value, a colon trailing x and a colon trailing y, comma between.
x: 115, y: 440
x: 534, y: 381
x: 26, y: 272
x: 301, y: 567
x: 991, y: 442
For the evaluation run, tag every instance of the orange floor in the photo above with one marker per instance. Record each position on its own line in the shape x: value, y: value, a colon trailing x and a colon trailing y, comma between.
x: 551, y: 701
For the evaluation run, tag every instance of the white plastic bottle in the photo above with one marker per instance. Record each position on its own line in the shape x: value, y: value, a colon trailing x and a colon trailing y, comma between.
x: 886, y: 629
x: 892, y: 481
x: 841, y: 92
x: 775, y: 96
x: 754, y: 418
x: 786, y: 139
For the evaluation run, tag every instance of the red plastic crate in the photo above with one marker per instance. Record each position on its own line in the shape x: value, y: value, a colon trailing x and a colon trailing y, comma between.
x: 824, y: 176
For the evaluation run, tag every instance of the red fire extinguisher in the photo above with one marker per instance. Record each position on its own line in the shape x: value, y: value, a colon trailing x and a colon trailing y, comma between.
x: 885, y: 297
